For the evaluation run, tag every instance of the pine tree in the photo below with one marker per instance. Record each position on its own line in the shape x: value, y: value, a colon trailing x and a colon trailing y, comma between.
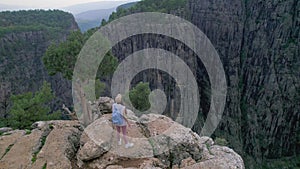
x: 139, y: 96
x: 30, y: 107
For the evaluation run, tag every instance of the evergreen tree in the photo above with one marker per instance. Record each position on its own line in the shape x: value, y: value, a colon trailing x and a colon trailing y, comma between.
x: 30, y: 107
x: 139, y: 96
x: 61, y: 58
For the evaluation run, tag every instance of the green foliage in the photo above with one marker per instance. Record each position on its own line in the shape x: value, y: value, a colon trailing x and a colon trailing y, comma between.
x: 50, y: 18
x: 3, y: 122
x: 127, y: 5
x: 33, y: 159
x: 33, y: 20
x: 159, y: 5
x: 27, y: 131
x: 139, y: 96
x: 165, y: 6
x: 45, y: 166
x: 221, y: 141
x: 282, y: 163
x: 61, y: 58
x: 6, y: 134
x: 99, y: 88
x: 107, y: 65
x: 43, y: 141
x: 28, y: 108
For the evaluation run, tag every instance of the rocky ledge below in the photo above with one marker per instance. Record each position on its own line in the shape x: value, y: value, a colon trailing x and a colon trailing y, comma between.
x: 159, y: 142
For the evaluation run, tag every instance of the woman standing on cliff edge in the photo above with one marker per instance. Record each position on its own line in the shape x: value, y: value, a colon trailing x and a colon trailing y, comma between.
x: 120, y: 121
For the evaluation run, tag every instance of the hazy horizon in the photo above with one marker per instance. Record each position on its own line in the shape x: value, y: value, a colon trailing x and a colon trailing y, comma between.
x: 50, y: 4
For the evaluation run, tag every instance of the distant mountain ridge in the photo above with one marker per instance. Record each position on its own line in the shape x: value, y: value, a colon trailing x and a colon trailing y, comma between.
x: 94, y: 14
x: 92, y: 18
x: 79, y: 8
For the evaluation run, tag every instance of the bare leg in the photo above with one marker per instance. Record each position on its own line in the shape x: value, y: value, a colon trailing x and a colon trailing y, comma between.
x: 124, y: 134
x: 118, y: 133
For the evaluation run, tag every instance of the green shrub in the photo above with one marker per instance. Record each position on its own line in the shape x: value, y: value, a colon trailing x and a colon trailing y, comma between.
x: 31, y: 107
x: 221, y: 141
x: 139, y: 96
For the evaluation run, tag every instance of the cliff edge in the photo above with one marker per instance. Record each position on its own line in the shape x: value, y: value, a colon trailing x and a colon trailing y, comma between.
x: 159, y: 142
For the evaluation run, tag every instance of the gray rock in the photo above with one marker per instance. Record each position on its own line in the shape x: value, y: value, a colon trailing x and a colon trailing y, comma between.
x: 39, y: 125
x: 96, y: 140
x: 105, y: 105
x: 5, y: 129
x: 153, y: 135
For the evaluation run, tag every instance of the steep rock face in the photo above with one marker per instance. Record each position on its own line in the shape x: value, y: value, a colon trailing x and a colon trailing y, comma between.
x: 258, y: 43
x: 270, y: 91
x: 223, y: 23
x: 21, y: 65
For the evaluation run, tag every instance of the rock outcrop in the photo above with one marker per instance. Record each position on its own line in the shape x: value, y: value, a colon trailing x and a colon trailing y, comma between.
x: 52, y: 144
x: 159, y: 142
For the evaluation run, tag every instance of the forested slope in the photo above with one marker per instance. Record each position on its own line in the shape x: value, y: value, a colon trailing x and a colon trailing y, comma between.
x: 24, y: 38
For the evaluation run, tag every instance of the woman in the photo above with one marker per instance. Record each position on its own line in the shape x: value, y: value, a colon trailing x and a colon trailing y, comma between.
x: 120, y: 121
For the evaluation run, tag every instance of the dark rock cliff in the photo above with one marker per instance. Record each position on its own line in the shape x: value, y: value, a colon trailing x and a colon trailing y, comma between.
x: 258, y: 42
x: 22, y: 48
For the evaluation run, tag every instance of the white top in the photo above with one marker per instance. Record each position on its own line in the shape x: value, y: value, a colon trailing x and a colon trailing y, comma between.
x: 121, y: 108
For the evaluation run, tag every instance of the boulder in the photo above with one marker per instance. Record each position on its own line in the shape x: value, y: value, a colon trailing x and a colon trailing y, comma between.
x: 96, y: 140
x: 159, y: 142
x: 52, y: 144
x: 220, y: 158
x: 60, y: 145
x: 105, y: 104
x: 39, y: 125
x: 5, y: 129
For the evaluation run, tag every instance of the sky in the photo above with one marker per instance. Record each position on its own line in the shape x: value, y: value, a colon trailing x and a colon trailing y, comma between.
x: 47, y: 3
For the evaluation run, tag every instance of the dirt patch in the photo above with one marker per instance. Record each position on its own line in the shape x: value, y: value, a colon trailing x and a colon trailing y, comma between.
x: 159, y: 126
x: 131, y: 163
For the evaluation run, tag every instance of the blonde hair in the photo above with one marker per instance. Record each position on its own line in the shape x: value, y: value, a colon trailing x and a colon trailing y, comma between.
x: 118, y: 99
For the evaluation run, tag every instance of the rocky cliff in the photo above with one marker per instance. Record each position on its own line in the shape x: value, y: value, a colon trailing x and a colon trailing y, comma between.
x: 24, y: 38
x: 158, y: 141
x: 258, y: 43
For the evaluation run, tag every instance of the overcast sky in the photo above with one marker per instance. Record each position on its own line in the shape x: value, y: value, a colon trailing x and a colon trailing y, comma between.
x: 48, y: 3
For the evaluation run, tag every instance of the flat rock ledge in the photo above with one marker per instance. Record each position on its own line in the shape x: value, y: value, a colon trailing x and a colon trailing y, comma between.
x: 159, y: 143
